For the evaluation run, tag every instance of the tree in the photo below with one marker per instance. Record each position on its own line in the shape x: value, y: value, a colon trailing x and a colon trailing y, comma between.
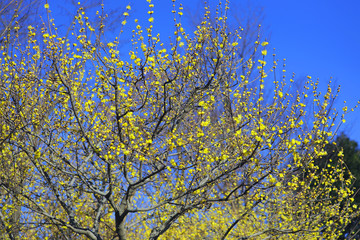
x: 13, y: 13
x: 349, y: 155
x: 16, y: 15
x: 100, y: 146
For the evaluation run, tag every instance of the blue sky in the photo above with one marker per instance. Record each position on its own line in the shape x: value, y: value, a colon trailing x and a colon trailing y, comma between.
x: 319, y: 38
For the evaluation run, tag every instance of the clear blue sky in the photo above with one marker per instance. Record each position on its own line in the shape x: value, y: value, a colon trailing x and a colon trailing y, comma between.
x: 319, y: 38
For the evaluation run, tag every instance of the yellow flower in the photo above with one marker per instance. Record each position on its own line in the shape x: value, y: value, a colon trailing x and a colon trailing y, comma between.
x: 46, y: 6
x: 280, y: 94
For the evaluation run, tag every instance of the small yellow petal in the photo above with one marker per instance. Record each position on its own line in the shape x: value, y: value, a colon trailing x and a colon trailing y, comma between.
x: 280, y: 94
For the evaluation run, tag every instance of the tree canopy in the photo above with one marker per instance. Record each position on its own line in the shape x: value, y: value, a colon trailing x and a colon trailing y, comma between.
x: 346, y: 152
x: 171, y: 142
